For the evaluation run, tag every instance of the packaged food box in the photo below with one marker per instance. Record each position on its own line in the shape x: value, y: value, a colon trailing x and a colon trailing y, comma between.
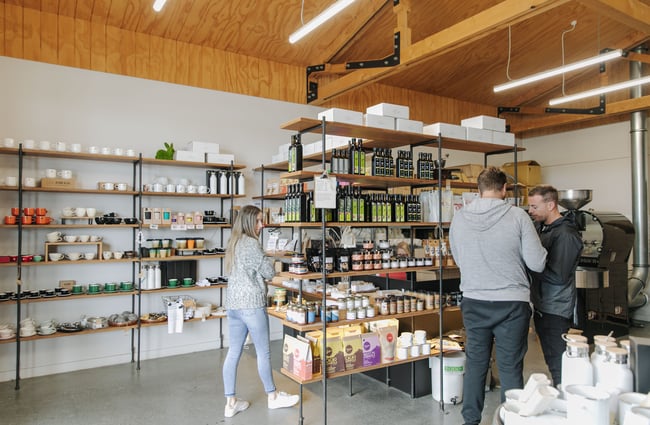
x: 370, y: 349
x: 352, y: 351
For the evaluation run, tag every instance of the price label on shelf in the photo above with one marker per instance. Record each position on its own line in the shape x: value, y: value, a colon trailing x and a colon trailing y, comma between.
x: 190, y: 227
x: 198, y: 227
x: 177, y: 226
x: 325, y: 191
x: 153, y: 226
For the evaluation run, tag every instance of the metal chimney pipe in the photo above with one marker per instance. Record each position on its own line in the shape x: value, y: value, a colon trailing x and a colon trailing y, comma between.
x: 638, y: 132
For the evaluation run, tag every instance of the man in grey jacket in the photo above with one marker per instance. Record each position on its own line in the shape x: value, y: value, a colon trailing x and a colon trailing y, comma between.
x: 494, y: 244
x: 553, y: 291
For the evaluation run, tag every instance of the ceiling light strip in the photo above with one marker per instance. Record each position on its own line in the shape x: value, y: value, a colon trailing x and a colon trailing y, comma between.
x: 599, y: 91
x: 320, y: 19
x: 158, y: 5
x: 559, y: 70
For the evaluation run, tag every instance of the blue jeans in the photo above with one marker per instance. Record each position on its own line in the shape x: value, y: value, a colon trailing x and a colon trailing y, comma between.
x: 241, y: 322
x: 505, y: 322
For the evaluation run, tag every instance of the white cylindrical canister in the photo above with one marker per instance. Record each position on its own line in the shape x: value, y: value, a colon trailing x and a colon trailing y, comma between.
x: 453, y: 370
x: 576, y: 367
x: 587, y: 405
x: 599, y: 356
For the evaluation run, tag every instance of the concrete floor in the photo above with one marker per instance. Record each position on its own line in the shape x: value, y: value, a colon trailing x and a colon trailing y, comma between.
x: 187, y: 389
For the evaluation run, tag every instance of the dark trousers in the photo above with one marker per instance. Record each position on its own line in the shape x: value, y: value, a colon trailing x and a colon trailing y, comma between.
x: 505, y: 322
x: 549, y: 328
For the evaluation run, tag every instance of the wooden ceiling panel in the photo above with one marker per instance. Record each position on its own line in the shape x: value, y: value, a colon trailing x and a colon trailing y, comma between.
x: 460, y: 48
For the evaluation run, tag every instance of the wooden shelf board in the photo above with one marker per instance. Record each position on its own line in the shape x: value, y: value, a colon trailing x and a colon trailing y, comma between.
x: 189, y: 195
x: 71, y: 155
x: 69, y: 226
x: 175, y: 163
x: 68, y: 262
x: 355, y: 224
x: 64, y: 334
x: 182, y: 257
x: 314, y: 275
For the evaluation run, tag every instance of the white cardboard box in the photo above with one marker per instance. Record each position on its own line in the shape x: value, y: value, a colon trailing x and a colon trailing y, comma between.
x: 411, y: 126
x: 189, y: 156
x: 390, y: 110
x: 452, y: 131
x: 333, y: 142
x: 379, y: 121
x: 219, y: 158
x: 276, y: 158
x: 499, y: 138
x: 205, y: 147
x: 479, y: 135
x: 342, y: 115
x: 485, y: 122
x: 284, y: 148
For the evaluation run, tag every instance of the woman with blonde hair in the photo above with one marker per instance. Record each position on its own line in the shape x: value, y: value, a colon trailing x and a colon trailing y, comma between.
x: 245, y: 303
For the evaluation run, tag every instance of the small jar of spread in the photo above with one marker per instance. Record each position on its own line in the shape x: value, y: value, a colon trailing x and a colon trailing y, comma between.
x: 357, y: 255
x: 368, y: 245
x: 357, y: 265
x: 367, y: 265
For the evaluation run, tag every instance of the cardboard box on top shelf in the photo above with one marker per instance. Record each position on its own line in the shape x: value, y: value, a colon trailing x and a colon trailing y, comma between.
x: 411, y: 126
x: 59, y: 183
x: 451, y: 131
x: 189, y: 156
x: 379, y: 121
x: 390, y: 110
x: 205, y: 147
x: 529, y: 172
x: 485, y: 122
x: 478, y: 135
x: 342, y: 115
x: 470, y: 171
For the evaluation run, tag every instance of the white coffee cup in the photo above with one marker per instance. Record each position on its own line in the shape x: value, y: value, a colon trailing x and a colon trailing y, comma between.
x: 191, y: 189
x: 107, y: 186
x: 11, y: 181
x: 60, y: 146
x: 90, y: 255
x: 181, y: 188
x: 70, y: 238
x: 8, y: 142
x: 75, y: 147
x: 118, y: 151
x: 54, y: 237
x: 130, y: 152
x: 203, y: 189
x: 68, y: 211
x: 121, y: 186
x: 73, y: 256
x: 107, y: 255
x: 106, y: 150
x: 64, y: 174
x: 93, y: 149
x: 84, y: 238
x: 157, y: 187
x: 90, y: 212
x: 95, y: 238
x: 29, y: 144
x: 45, y: 145
x: 80, y: 212
x: 29, y: 182
x: 118, y: 255
x: 170, y: 188
x: 50, y: 173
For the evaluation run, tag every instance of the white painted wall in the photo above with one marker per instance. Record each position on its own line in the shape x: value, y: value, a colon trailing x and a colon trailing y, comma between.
x: 47, y: 102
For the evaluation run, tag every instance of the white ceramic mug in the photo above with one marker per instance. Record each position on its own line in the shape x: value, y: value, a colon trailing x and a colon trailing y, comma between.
x: 180, y: 188
x: 130, y: 152
x: 80, y: 212
x: 90, y: 255
x: 157, y: 187
x: 106, y: 150
x: 30, y: 182
x: 54, y: 237
x: 170, y: 188
x: 75, y: 147
x: 191, y: 189
x: 8, y: 142
x: 90, y: 212
x: 50, y: 173
x: 203, y: 189
x: 11, y: 181
x: 626, y: 402
x: 107, y: 255
x: 64, y: 174
x: 93, y: 149
x: 68, y: 211
x: 118, y: 255
x: 60, y: 146
x: 45, y: 145
x: 29, y: 144
x: 70, y: 238
x: 118, y: 151
x: 107, y: 186
x: 84, y: 238
x: 121, y: 186
x: 95, y: 238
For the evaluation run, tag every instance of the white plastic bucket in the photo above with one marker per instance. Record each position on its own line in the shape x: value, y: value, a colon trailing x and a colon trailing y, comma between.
x: 453, y: 370
x: 587, y: 405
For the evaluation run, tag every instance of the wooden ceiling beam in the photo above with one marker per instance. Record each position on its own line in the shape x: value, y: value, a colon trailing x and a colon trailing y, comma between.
x: 632, y: 13
x: 353, y: 29
x: 556, y: 120
x: 475, y: 28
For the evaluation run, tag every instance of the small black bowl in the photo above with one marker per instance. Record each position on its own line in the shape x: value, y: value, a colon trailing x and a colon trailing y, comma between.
x: 208, y: 212
x: 100, y: 220
x: 131, y: 220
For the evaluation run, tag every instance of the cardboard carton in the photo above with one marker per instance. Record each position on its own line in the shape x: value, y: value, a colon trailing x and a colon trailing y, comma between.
x: 529, y: 173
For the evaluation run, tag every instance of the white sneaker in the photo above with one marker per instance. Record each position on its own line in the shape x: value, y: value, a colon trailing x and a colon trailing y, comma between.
x: 283, y: 399
x: 238, y: 406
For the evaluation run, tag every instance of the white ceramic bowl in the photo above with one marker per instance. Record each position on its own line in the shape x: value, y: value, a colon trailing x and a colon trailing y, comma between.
x: 55, y: 256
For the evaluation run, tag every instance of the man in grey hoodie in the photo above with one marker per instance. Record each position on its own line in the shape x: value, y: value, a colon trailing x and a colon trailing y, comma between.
x: 494, y: 243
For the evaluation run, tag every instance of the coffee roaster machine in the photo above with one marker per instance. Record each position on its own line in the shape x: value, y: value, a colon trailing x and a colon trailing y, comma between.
x: 602, y: 274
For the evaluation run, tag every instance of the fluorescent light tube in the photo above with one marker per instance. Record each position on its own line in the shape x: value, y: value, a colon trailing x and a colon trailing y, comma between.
x: 158, y: 5
x: 320, y: 19
x: 559, y: 70
x: 599, y: 91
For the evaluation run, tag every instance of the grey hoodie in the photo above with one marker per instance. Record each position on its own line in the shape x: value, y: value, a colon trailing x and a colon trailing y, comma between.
x: 493, y: 243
